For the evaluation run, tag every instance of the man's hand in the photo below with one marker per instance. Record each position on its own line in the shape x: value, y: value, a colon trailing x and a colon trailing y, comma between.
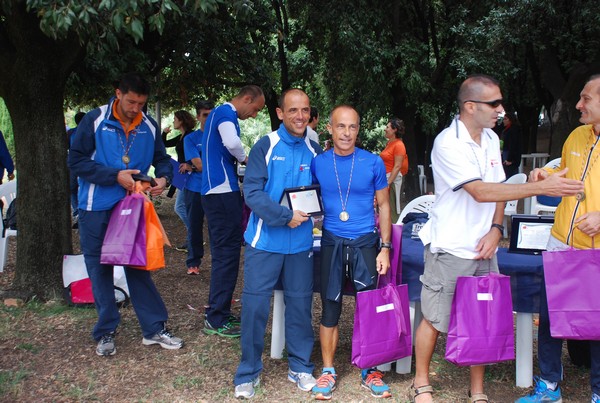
x: 383, y: 261
x: 557, y: 185
x: 297, y: 219
x: 161, y: 183
x: 537, y: 175
x: 125, y: 180
x: 11, y: 176
x: 488, y: 244
x: 589, y: 223
x: 185, y: 167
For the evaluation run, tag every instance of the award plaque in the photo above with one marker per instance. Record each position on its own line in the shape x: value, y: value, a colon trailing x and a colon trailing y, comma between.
x: 303, y: 198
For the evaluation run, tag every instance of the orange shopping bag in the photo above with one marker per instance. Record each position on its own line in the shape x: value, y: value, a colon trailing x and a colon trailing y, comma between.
x: 156, y: 238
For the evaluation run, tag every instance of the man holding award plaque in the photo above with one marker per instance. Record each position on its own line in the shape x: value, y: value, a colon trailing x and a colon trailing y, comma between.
x: 279, y: 244
x: 350, y: 178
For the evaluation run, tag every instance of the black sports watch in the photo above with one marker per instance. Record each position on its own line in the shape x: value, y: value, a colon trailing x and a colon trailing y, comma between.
x: 387, y: 245
x: 500, y: 228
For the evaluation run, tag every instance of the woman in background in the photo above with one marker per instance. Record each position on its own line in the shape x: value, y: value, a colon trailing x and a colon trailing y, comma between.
x: 396, y: 162
x: 511, y: 149
x: 184, y: 122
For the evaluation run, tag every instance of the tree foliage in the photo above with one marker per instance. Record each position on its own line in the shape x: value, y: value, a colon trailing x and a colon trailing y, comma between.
x: 385, y: 57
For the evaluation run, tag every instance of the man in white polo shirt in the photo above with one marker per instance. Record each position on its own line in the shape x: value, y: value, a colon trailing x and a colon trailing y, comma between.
x: 462, y: 235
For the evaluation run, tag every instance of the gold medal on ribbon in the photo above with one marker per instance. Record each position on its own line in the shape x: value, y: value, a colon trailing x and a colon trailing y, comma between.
x: 344, y: 216
x: 126, y: 159
x: 580, y: 196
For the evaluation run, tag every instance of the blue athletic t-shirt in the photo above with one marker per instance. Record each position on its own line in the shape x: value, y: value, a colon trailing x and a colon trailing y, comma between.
x: 368, y: 176
x: 192, y: 144
x: 218, y: 169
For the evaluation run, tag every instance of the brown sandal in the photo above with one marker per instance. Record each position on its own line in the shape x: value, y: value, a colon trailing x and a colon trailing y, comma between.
x: 414, y: 391
x: 478, y: 397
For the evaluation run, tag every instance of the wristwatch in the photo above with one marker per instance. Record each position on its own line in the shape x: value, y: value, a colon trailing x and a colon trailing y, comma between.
x: 387, y: 245
x: 168, y: 181
x: 500, y: 228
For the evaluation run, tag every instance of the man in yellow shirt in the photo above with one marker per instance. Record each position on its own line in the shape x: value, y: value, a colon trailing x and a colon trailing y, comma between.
x: 577, y: 224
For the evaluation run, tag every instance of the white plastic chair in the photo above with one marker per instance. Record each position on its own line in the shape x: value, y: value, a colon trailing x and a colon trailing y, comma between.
x: 8, y: 192
x: 421, y: 204
x: 537, y: 207
x: 422, y: 179
x: 511, y: 206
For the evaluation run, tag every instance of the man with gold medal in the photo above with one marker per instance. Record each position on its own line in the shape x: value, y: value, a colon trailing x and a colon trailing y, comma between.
x: 350, y: 179
x: 576, y: 224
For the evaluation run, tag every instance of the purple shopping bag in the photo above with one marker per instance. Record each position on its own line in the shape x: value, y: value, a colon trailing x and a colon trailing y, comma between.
x: 481, y: 329
x: 394, y: 274
x: 125, y: 239
x: 381, y: 326
x: 572, y: 277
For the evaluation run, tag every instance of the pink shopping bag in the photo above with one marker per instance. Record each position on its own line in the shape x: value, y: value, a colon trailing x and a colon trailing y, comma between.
x: 572, y: 277
x: 125, y: 240
x: 382, y: 330
x: 481, y: 329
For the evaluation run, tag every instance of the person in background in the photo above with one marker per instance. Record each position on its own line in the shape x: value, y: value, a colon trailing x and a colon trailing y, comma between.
x: 192, y: 145
x: 279, y: 244
x: 73, y: 182
x: 576, y: 224
x: 396, y: 162
x: 6, y: 161
x: 312, y: 125
x: 222, y: 203
x: 350, y: 178
x: 462, y: 235
x: 511, y: 151
x: 112, y: 143
x: 184, y: 122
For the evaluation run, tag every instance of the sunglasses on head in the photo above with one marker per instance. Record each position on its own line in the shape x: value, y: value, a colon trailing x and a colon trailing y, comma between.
x: 494, y: 104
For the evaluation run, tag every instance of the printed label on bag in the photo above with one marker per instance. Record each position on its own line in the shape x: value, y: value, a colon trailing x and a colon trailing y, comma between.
x: 383, y: 308
x: 126, y: 211
x: 484, y: 296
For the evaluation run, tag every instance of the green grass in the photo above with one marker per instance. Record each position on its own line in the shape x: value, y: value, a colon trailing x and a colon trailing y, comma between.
x: 187, y: 382
x: 28, y: 347
x: 11, y: 382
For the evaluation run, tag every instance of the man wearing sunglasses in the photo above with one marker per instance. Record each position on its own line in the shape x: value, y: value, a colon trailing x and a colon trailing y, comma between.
x: 462, y: 235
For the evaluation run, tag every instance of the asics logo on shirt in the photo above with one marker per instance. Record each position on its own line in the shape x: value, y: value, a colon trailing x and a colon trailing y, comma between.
x: 278, y: 158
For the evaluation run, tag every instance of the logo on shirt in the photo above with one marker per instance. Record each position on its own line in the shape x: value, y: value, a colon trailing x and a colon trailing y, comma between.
x: 278, y: 158
x: 575, y: 153
x: 494, y: 162
x: 304, y: 167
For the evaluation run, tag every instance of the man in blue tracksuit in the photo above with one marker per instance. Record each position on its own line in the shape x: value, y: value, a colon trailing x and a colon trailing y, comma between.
x: 113, y: 142
x: 222, y: 203
x: 279, y: 243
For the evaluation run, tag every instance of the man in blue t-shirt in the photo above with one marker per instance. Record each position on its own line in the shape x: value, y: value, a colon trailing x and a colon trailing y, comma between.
x: 350, y: 179
x: 192, y: 145
x: 222, y: 203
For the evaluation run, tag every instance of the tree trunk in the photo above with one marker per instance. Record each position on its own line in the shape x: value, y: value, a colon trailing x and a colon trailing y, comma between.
x: 38, y: 68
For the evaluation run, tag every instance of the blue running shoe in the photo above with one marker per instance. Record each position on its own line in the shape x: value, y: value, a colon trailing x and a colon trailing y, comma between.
x: 541, y: 393
x: 325, y: 386
x: 373, y: 382
x: 595, y: 398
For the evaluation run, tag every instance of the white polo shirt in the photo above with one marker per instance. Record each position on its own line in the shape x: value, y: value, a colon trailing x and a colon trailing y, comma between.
x: 457, y: 221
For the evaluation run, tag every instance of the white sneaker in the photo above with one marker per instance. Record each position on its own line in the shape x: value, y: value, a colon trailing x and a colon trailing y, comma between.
x: 165, y: 339
x: 246, y: 390
x: 304, y: 380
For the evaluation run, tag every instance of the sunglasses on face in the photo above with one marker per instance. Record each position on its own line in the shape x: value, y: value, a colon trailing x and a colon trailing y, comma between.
x: 494, y: 104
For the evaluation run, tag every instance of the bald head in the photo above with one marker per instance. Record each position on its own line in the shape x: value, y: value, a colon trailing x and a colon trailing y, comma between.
x: 473, y: 88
